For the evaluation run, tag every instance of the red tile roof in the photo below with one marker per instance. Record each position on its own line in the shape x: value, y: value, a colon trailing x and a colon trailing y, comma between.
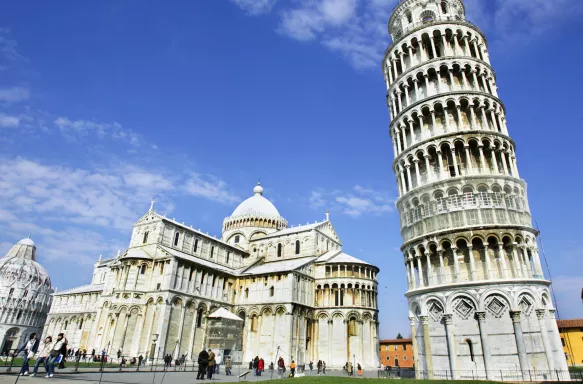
x: 573, y: 323
x: 396, y: 341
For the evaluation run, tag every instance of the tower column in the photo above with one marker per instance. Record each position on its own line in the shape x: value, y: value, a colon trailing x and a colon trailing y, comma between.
x: 451, y: 352
x: 524, y: 366
x: 481, y: 316
x: 427, y: 347
x: 540, y: 314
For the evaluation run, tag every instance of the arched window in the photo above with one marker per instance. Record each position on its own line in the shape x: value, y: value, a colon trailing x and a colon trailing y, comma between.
x: 352, y: 327
x: 212, y: 251
x: 199, y: 318
x: 427, y: 16
x: 279, y: 250
x: 143, y: 269
x: 228, y: 257
x: 254, y: 324
x: 471, y: 349
x: 237, y: 238
x: 195, y: 246
x: 444, y: 7
x: 145, y: 239
x: 396, y: 361
x: 297, y: 247
x: 176, y: 238
x: 20, y: 314
x: 271, y: 292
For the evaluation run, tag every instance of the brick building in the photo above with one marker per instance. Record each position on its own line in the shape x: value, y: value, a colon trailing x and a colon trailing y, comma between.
x: 397, y: 353
x: 572, y: 340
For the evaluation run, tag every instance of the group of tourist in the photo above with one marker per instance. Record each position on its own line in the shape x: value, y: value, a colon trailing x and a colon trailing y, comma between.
x: 349, y: 368
x: 47, y: 352
x: 206, y: 364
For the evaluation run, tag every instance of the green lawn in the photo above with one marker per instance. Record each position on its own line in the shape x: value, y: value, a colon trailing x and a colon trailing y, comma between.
x: 340, y: 380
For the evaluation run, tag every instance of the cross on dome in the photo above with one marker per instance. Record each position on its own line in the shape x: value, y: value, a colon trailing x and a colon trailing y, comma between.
x: 258, y: 190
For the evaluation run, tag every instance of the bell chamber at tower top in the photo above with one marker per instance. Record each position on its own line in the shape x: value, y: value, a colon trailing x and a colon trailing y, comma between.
x: 410, y: 14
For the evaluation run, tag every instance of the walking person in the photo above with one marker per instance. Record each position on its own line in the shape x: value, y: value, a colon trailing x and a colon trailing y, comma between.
x: 260, y: 366
x: 349, y: 368
x: 203, y: 362
x: 323, y: 367
x: 43, y: 355
x: 319, y: 366
x: 29, y: 348
x: 211, y: 364
x: 292, y: 368
x: 228, y: 366
x: 59, y: 349
x: 311, y: 366
x: 280, y: 367
x: 140, y: 358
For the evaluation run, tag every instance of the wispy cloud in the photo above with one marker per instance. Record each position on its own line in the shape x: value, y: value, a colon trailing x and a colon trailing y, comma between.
x: 110, y: 197
x: 356, y: 202
x: 255, y: 7
x: 74, y: 129
x: 357, y: 29
x: 7, y: 121
x: 13, y: 94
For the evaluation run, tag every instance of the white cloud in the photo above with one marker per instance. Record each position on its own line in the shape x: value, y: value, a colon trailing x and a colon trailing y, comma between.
x: 209, y: 187
x: 7, y: 121
x: 355, y: 202
x: 255, y: 7
x: 14, y: 94
x: 357, y: 29
x: 73, y: 129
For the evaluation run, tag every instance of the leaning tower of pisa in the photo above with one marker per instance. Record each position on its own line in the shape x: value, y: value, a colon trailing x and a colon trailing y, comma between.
x: 479, y: 303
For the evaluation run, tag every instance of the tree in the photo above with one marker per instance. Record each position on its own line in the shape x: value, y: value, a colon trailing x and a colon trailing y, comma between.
x: 399, y: 337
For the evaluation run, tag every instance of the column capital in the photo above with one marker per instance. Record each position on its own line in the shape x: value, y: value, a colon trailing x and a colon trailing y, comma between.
x: 540, y: 313
x: 552, y: 313
x: 427, y: 156
x: 412, y: 321
x: 415, y: 80
x: 481, y: 316
x: 416, y: 160
x: 515, y: 316
x: 424, y: 320
x: 448, y: 319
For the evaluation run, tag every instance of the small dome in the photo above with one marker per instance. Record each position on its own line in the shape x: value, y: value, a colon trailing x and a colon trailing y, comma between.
x: 256, y: 205
x: 27, y: 241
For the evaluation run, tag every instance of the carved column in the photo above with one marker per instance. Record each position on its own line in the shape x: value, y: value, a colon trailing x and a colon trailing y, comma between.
x: 540, y: 314
x: 523, y: 360
x: 481, y: 316
x: 427, y: 347
x: 448, y: 319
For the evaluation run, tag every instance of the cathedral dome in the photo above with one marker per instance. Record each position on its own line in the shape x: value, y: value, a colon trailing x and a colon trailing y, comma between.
x: 255, y: 212
x: 256, y: 205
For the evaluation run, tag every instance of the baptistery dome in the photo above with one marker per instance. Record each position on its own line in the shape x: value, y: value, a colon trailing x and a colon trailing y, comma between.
x: 25, y: 294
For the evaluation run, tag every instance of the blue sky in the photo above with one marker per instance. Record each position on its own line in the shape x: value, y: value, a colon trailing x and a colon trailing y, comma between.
x: 104, y: 104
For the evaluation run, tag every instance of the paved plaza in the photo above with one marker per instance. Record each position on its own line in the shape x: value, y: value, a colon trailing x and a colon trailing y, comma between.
x: 132, y: 377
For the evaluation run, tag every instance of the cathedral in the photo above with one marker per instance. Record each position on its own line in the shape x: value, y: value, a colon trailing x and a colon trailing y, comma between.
x: 292, y: 290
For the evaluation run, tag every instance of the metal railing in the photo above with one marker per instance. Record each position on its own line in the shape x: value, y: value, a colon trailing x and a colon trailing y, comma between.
x: 498, y: 375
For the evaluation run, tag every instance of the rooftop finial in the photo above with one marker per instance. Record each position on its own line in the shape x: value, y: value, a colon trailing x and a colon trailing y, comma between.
x: 29, y: 235
x: 327, y: 215
x: 152, y: 204
x: 258, y: 190
x: 100, y: 257
x: 118, y: 253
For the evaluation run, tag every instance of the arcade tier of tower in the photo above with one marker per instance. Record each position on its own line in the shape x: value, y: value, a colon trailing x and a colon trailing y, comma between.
x: 469, y: 247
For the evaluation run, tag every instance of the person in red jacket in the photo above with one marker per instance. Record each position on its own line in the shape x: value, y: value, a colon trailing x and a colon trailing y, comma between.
x: 260, y: 366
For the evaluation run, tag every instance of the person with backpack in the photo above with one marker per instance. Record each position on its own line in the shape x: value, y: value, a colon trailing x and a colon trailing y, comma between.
x: 29, y: 348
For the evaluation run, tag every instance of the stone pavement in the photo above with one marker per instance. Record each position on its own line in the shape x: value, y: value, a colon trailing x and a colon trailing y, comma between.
x: 131, y: 377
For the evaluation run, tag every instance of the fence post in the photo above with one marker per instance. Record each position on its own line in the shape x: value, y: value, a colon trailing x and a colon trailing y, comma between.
x: 558, y: 378
x: 9, y: 369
